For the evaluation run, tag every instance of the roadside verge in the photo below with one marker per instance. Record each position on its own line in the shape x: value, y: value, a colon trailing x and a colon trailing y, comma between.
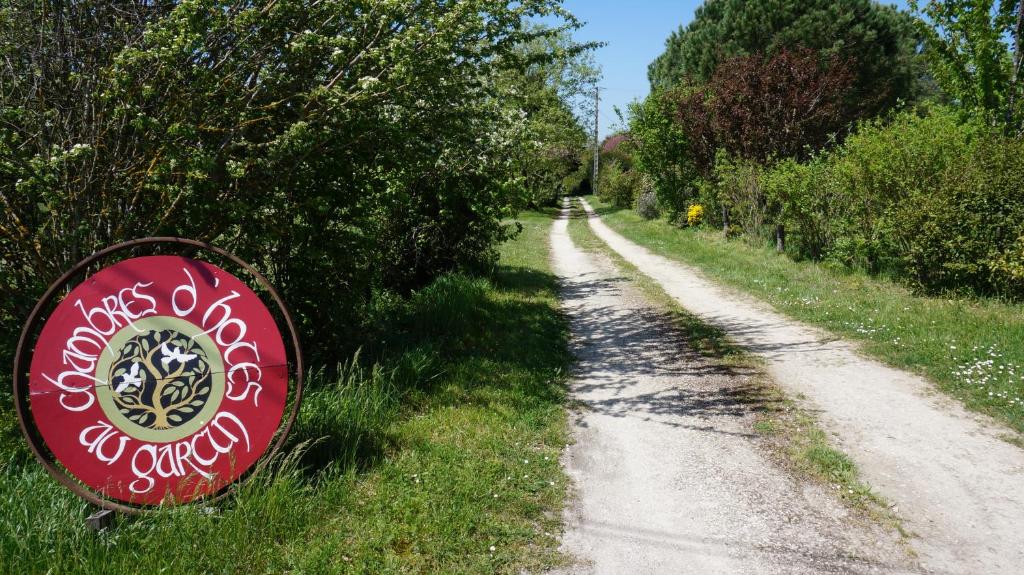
x: 958, y: 487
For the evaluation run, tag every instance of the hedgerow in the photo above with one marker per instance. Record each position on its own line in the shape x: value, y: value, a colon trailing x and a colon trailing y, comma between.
x: 924, y: 197
x: 345, y: 148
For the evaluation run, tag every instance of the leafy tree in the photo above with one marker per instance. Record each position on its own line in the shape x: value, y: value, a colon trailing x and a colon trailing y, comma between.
x: 878, y: 40
x: 969, y: 55
x: 665, y: 148
x: 345, y: 147
x: 782, y: 106
x: 755, y: 107
x: 554, y: 82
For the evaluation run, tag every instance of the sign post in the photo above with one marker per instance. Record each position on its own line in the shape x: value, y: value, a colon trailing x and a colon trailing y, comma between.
x: 157, y: 379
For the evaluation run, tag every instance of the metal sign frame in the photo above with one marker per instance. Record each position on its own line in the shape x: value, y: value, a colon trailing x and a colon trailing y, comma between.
x: 47, y: 303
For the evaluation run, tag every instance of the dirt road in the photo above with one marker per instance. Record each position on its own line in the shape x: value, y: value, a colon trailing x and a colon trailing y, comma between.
x: 958, y: 487
x: 668, y: 477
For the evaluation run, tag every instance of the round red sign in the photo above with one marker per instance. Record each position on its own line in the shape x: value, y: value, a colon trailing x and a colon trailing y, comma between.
x: 159, y: 379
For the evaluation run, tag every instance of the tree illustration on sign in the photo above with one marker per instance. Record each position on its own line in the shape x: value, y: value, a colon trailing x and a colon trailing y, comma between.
x: 161, y: 379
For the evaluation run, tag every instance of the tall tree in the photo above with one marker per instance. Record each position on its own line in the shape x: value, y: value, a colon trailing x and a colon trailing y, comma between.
x: 879, y: 40
x: 553, y: 82
x: 346, y: 147
x: 783, y: 106
x: 974, y: 52
x: 669, y: 143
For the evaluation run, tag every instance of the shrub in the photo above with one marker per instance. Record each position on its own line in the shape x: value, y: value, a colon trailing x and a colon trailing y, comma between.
x: 740, y: 190
x: 924, y: 197
x: 616, y: 185
x: 341, y: 150
x: 1007, y: 269
x: 808, y: 205
x: 707, y: 196
x: 694, y: 112
x: 647, y: 205
x: 780, y: 106
x: 621, y: 154
x: 662, y: 148
x: 842, y: 205
x: 695, y: 215
x: 964, y: 235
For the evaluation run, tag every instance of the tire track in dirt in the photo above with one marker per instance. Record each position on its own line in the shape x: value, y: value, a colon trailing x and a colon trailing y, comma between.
x: 958, y: 487
x: 669, y: 477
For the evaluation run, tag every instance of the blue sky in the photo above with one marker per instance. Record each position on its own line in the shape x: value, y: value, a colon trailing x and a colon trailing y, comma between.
x: 635, y: 31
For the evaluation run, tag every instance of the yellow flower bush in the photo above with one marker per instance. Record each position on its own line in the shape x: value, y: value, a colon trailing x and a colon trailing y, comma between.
x: 695, y: 215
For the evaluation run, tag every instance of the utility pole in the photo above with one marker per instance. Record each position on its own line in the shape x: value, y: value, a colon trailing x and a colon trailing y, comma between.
x: 597, y: 145
x: 1018, y: 59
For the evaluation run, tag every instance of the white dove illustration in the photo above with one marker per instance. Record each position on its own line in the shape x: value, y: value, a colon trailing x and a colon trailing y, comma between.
x: 131, y: 378
x: 174, y: 354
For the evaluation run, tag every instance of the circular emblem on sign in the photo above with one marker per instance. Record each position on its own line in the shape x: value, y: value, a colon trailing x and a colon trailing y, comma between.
x: 158, y: 379
x: 164, y: 381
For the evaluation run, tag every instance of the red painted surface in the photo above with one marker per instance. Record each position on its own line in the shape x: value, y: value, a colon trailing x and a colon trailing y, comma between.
x: 107, y: 455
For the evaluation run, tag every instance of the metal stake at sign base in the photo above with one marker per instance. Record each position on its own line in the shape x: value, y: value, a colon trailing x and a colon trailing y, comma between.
x: 102, y: 519
x: 25, y: 350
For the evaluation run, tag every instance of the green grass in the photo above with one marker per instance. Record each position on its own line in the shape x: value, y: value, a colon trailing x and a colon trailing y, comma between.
x: 972, y: 349
x: 704, y: 338
x: 442, y: 459
x: 787, y: 430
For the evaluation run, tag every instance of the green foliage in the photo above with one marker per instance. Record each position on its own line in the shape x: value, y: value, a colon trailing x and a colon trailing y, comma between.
x: 553, y: 172
x: 621, y: 153
x: 619, y: 181
x: 390, y: 469
x: 578, y: 181
x: 647, y: 205
x: 925, y: 198
x: 344, y: 148
x: 708, y: 197
x: 616, y: 184
x: 355, y: 152
x: 661, y: 148
x: 930, y: 196
x: 965, y: 234
x: 807, y: 207
x: 969, y: 57
x: 845, y: 206
x: 739, y: 188
x: 878, y: 38
x: 887, y: 167
x: 555, y: 90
